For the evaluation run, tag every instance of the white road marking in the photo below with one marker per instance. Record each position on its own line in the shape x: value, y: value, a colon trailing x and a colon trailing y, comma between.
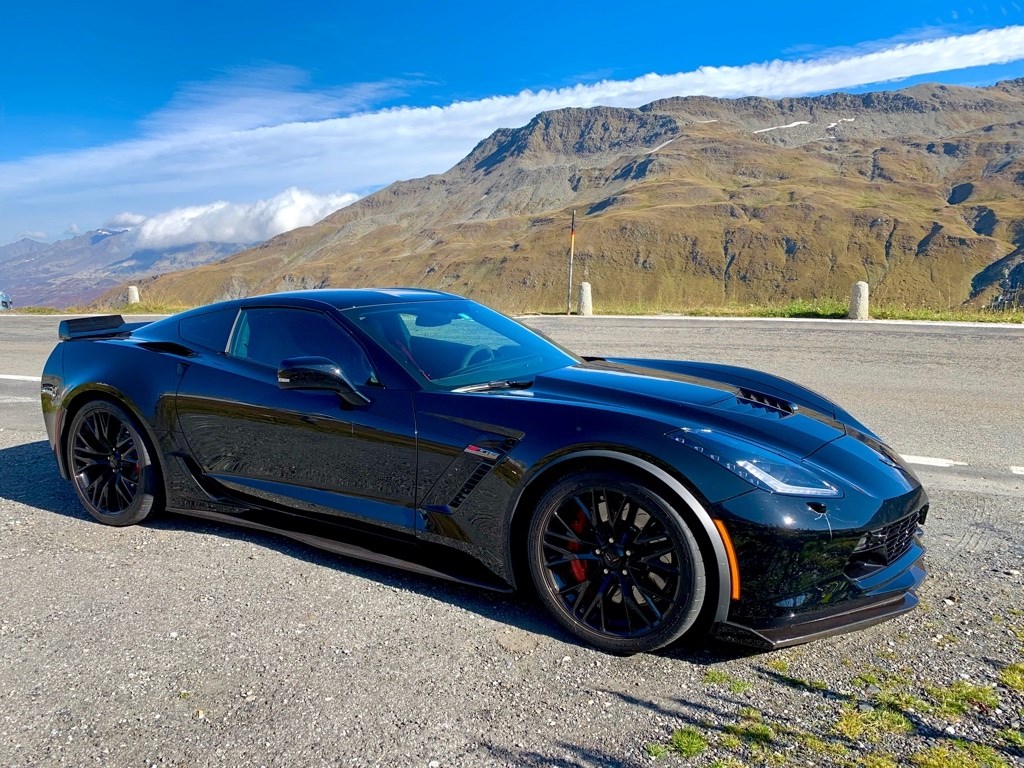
x: 15, y: 377
x: 5, y: 400
x: 1017, y: 470
x: 929, y: 461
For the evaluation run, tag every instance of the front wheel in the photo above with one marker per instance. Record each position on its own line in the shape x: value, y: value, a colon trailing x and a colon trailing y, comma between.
x: 615, y: 563
x: 112, y: 467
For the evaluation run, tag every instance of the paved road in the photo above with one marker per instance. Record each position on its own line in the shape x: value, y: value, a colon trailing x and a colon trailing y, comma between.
x: 183, y: 643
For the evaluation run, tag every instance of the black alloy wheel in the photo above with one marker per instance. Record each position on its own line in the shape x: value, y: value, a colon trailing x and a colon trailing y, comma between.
x: 111, y: 465
x: 615, y: 563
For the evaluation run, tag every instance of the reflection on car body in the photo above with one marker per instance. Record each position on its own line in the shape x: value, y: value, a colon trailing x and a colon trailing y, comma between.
x: 642, y: 499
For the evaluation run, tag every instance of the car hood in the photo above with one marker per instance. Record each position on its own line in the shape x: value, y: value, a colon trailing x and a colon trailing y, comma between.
x: 791, y: 425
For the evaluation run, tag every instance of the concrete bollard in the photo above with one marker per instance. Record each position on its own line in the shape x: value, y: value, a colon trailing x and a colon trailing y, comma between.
x: 133, y: 294
x: 859, y: 302
x: 586, y: 302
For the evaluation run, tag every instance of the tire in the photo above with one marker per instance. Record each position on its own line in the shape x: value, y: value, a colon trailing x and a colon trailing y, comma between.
x: 614, y: 563
x: 112, y: 465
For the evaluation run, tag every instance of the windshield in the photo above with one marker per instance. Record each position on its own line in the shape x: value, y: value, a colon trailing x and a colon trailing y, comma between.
x: 458, y: 343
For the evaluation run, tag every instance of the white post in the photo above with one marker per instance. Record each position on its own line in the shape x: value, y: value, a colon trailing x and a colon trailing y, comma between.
x: 859, y: 302
x: 586, y: 303
x: 133, y: 294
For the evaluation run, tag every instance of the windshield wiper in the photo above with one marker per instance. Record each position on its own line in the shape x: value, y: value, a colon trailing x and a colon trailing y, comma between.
x: 487, y: 386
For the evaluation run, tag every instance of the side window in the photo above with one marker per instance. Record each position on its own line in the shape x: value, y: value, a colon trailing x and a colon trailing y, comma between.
x: 210, y: 329
x: 268, y: 336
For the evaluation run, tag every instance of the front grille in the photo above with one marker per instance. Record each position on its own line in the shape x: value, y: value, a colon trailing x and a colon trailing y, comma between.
x: 775, y: 405
x: 882, y: 547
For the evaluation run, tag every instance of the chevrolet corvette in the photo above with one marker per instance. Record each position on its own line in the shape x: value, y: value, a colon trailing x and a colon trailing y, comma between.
x: 641, y: 500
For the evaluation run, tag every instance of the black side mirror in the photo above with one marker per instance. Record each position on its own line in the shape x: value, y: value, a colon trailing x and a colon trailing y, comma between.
x: 318, y: 373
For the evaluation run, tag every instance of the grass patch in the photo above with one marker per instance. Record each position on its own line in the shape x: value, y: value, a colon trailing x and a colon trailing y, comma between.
x: 872, y: 724
x: 821, y: 309
x: 961, y: 755
x: 730, y: 741
x: 874, y: 761
x: 900, y: 700
x: 779, y: 665
x: 685, y: 742
x: 820, y: 746
x: 688, y: 742
x: 892, y: 692
x: 961, y: 696
x: 1013, y: 677
x: 1013, y: 738
x: 656, y: 750
x: 36, y: 311
x: 751, y: 732
x: 895, y: 312
x: 134, y: 309
x: 866, y: 679
x: 734, y: 684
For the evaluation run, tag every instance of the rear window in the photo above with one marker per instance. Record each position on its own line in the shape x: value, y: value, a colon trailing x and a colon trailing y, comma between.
x: 210, y: 329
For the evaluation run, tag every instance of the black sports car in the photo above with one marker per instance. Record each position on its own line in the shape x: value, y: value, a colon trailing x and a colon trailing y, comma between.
x: 642, y: 499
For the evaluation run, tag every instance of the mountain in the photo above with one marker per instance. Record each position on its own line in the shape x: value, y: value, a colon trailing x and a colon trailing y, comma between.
x: 690, y: 201
x: 78, y: 270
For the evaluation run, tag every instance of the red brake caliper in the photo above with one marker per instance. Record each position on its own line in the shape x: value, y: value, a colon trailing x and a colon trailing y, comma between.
x: 578, y: 567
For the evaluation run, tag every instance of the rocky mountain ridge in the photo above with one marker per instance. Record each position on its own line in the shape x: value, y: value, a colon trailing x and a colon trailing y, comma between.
x: 691, y: 200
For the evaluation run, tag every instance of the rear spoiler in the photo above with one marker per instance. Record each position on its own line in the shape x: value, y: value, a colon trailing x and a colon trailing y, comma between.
x: 94, y: 327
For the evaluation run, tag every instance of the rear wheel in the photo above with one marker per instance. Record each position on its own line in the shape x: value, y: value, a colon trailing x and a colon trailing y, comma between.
x: 111, y: 465
x: 615, y: 563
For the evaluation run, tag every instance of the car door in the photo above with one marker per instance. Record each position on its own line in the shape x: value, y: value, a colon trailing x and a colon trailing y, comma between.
x: 305, y: 449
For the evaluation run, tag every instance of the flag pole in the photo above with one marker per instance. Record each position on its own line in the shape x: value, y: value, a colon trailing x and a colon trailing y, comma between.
x: 572, y: 253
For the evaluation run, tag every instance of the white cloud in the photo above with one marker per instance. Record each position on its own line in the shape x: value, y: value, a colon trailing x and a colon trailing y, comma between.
x: 224, y: 222
x: 261, y: 132
x: 253, y: 98
x: 125, y: 220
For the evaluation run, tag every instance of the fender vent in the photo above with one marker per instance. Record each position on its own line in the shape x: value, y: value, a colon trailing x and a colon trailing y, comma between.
x: 775, y: 405
x: 490, y: 459
x: 481, y: 471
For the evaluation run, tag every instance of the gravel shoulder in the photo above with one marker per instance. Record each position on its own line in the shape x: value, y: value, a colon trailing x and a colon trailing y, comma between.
x: 178, y: 642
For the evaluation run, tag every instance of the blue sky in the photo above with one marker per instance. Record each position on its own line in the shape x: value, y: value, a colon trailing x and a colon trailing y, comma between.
x: 233, y: 121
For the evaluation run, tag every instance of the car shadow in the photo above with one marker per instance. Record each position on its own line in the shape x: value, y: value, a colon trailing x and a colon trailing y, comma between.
x: 29, y: 476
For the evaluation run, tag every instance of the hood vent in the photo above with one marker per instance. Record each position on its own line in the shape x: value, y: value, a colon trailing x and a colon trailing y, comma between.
x: 775, y: 406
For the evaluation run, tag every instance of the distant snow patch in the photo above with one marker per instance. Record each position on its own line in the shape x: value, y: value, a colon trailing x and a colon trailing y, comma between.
x: 830, y: 126
x: 779, y: 127
x: 661, y: 146
x: 715, y: 120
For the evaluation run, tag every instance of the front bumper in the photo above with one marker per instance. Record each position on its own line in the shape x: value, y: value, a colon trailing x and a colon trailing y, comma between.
x: 802, y: 585
x: 885, y: 598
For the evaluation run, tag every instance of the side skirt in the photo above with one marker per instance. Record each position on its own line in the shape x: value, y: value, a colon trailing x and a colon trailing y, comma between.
x: 430, y: 561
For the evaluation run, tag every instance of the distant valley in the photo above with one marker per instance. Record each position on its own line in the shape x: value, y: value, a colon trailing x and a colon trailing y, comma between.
x: 76, y: 271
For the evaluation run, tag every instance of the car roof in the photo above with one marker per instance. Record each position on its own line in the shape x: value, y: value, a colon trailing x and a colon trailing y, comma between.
x: 347, y: 298
x: 319, y: 298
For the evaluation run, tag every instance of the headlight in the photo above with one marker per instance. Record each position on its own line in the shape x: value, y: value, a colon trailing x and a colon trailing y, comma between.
x: 759, y: 467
